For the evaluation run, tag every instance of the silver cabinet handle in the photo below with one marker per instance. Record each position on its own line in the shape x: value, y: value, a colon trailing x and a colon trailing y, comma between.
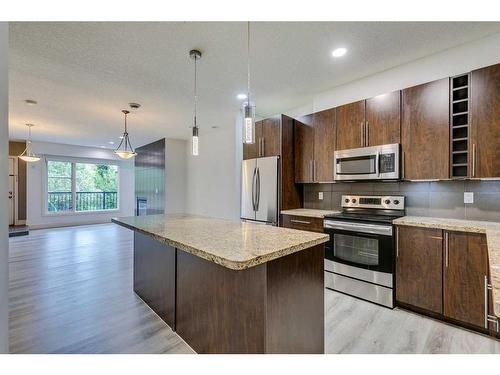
x: 299, y: 221
x: 397, y: 242
x: 485, y: 301
x: 362, y: 141
x: 367, y: 132
x: 473, y: 160
x: 446, y: 249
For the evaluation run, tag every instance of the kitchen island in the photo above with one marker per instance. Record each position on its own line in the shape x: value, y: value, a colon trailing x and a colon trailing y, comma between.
x: 231, y: 287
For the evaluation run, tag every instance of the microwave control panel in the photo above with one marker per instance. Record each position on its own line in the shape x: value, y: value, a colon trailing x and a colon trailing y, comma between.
x: 387, y: 163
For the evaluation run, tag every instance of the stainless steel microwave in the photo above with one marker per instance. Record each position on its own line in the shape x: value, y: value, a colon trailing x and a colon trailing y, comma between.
x: 367, y: 163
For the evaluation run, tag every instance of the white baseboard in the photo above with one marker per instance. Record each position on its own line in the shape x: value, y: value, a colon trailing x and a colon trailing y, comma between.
x: 67, y: 224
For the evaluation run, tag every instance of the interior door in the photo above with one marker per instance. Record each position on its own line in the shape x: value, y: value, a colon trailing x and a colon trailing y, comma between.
x: 248, y: 176
x: 267, y: 190
x: 419, y: 268
x: 11, y: 200
x: 351, y: 125
x: 383, y: 119
x: 465, y: 270
x: 324, y: 144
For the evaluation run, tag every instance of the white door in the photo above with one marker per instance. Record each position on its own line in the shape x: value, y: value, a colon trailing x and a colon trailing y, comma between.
x: 11, y: 200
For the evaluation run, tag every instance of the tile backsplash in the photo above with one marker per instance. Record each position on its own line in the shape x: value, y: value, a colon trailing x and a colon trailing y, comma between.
x: 438, y: 199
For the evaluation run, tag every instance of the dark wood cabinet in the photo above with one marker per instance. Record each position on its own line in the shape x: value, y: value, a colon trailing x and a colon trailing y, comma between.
x: 270, y: 139
x: 351, y: 125
x: 419, y: 272
x: 465, y: 278
x: 383, y: 119
x: 324, y: 145
x: 252, y: 150
x: 485, y: 122
x: 304, y: 149
x: 311, y: 224
x: 425, y: 131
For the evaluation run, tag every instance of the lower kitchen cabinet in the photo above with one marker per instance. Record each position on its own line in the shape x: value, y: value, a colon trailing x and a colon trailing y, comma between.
x: 419, y: 272
x: 312, y: 224
x: 465, y: 293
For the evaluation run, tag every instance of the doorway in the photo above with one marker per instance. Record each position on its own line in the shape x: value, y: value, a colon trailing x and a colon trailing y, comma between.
x: 12, y: 190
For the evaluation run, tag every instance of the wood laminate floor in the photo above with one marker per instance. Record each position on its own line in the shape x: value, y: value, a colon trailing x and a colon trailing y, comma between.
x: 71, y: 291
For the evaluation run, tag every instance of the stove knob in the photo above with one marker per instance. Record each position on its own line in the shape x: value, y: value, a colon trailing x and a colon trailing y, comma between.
x: 387, y: 201
x: 353, y: 200
x: 396, y: 201
x: 346, y: 200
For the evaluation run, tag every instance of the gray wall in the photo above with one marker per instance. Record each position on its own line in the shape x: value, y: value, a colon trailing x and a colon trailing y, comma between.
x: 438, y: 199
x: 4, y: 147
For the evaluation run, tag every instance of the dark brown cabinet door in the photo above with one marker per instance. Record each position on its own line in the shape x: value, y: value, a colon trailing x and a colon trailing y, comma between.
x: 304, y: 149
x: 311, y: 224
x: 485, y: 121
x: 252, y: 150
x: 351, y: 125
x: 419, y: 272
x: 383, y: 119
x: 425, y: 131
x: 465, y: 270
x: 324, y: 144
x: 271, y: 137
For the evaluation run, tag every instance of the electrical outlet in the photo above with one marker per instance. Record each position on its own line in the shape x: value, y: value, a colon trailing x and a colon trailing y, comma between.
x: 320, y: 195
x: 468, y: 197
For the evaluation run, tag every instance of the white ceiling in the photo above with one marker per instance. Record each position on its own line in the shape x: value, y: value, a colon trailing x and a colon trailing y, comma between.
x: 83, y: 74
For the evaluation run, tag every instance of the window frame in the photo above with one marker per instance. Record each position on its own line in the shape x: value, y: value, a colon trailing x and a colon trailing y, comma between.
x: 74, y: 161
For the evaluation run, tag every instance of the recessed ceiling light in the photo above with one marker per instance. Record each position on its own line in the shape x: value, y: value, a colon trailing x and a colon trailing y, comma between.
x: 111, y: 142
x: 338, y: 52
x: 241, y: 96
x: 31, y: 102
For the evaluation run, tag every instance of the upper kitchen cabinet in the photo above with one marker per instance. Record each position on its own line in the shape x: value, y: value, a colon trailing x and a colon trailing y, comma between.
x: 304, y: 149
x: 425, y: 131
x: 267, y: 139
x: 485, y: 122
x: 351, y: 125
x: 383, y: 119
x: 324, y: 145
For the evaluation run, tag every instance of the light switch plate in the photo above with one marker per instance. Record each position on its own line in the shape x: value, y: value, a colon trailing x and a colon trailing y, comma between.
x: 468, y: 197
x: 320, y: 195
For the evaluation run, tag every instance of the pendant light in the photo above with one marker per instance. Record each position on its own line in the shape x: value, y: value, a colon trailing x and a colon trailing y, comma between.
x: 28, y: 155
x: 248, y: 107
x: 124, y: 149
x: 195, y: 55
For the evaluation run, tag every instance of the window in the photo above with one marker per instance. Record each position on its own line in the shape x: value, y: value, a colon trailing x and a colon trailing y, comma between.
x: 81, y: 186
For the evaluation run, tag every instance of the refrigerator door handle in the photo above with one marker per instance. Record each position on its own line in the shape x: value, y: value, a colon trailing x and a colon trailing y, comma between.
x: 253, y: 187
x: 258, y: 189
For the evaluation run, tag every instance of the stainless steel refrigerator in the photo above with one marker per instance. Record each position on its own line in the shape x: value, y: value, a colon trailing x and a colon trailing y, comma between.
x: 259, y: 190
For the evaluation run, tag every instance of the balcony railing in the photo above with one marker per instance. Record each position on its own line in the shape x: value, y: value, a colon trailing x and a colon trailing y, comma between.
x: 85, y: 201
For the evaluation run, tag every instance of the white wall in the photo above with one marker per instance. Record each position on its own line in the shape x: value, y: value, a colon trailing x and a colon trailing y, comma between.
x: 35, y: 216
x: 447, y: 63
x: 4, y: 136
x: 213, y: 177
x: 175, y: 176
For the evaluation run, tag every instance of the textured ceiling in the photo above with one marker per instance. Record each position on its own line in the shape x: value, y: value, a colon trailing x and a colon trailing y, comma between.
x: 83, y: 74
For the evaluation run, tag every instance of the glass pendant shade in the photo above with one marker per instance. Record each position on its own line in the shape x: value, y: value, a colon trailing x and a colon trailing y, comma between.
x: 28, y: 155
x: 195, y: 142
x: 248, y: 123
x: 124, y: 149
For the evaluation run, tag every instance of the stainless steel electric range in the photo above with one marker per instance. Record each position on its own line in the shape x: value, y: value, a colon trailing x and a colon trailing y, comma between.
x: 359, y: 258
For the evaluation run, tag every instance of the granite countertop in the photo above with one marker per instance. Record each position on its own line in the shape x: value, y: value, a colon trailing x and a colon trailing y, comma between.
x: 308, y: 212
x: 232, y: 244
x: 492, y: 231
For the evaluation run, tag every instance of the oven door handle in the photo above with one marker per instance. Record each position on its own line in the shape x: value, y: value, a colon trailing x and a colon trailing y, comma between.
x: 385, y: 230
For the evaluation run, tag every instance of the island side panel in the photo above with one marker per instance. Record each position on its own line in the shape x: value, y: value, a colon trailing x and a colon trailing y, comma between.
x: 295, y: 303
x: 220, y: 310
x: 154, y: 276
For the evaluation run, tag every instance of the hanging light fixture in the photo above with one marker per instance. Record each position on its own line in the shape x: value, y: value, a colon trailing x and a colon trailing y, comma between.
x: 195, y: 55
x: 28, y: 155
x: 124, y: 149
x: 248, y: 107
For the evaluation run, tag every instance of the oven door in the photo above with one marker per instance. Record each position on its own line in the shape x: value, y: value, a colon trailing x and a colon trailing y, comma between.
x: 362, y: 245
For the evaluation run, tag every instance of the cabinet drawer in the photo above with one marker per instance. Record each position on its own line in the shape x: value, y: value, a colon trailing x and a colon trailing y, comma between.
x: 312, y: 224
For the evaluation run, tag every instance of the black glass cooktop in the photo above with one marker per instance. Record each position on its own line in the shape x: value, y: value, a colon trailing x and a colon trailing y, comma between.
x: 381, y: 218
